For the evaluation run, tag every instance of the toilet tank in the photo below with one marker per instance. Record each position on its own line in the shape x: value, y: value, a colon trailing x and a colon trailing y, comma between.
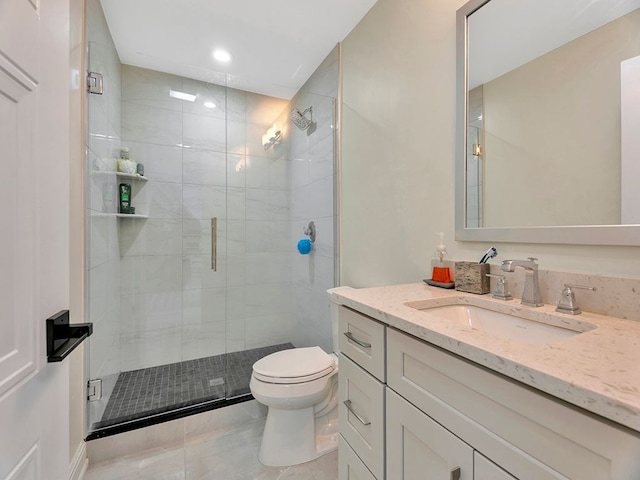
x: 333, y: 311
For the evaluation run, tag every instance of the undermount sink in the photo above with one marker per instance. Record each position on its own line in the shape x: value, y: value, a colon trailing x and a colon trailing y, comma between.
x: 502, y: 325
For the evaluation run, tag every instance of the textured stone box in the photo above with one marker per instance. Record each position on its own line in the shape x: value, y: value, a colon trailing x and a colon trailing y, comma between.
x: 472, y: 277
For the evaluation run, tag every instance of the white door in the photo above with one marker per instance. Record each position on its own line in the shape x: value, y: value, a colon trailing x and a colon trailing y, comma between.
x: 34, y: 272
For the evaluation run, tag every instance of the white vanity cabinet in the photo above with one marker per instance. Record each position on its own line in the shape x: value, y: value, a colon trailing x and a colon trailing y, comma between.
x: 509, y: 427
x: 410, y: 410
x: 361, y: 396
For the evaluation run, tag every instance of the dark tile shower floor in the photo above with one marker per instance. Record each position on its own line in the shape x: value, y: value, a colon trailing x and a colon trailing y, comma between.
x: 149, y: 391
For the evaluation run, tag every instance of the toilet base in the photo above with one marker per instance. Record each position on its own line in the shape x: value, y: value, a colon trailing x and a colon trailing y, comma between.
x: 292, y: 437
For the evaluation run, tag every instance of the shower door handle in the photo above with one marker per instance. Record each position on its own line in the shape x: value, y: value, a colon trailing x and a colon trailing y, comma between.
x: 214, y: 244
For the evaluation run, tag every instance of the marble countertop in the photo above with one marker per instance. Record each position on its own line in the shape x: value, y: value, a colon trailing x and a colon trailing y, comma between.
x: 597, y: 370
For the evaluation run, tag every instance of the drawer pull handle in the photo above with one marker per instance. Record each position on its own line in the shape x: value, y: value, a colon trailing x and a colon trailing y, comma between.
x: 347, y: 403
x: 455, y: 473
x: 350, y: 336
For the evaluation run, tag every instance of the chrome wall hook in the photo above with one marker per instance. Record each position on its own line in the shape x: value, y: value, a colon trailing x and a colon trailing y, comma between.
x: 310, y: 231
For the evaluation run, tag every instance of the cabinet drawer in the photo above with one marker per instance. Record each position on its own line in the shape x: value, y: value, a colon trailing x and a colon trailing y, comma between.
x: 362, y: 339
x: 350, y: 467
x: 529, y: 434
x: 361, y: 414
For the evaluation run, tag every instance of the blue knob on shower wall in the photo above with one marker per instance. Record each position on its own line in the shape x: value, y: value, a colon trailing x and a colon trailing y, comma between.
x: 304, y: 246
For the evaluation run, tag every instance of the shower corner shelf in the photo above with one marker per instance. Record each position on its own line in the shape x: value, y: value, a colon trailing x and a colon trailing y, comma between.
x: 132, y: 176
x: 120, y: 215
x: 129, y: 215
x: 128, y: 176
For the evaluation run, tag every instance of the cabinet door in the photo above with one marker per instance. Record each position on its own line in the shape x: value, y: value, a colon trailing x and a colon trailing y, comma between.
x: 350, y: 467
x: 361, y: 414
x: 485, y: 469
x: 418, y: 447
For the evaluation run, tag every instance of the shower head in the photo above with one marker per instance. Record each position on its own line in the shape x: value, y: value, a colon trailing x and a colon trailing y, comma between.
x: 300, y: 120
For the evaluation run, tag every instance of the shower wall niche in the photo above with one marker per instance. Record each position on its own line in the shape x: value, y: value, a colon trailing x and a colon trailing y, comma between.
x: 154, y: 298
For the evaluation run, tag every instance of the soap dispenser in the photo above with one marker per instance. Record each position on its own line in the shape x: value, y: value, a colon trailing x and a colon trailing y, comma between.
x: 441, y: 271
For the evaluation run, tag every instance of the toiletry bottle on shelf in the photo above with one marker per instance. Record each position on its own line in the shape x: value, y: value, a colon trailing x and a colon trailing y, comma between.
x: 125, y: 198
x: 441, y: 272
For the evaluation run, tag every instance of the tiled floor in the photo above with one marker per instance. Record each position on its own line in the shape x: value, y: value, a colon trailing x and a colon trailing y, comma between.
x: 141, y: 393
x: 224, y: 450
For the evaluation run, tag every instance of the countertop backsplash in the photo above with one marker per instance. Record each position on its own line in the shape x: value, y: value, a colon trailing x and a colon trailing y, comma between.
x: 614, y: 296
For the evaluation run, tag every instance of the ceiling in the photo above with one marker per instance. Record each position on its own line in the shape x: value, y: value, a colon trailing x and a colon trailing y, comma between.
x: 276, y: 45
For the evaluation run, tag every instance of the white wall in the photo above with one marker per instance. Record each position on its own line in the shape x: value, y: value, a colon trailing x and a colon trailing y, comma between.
x: 398, y: 145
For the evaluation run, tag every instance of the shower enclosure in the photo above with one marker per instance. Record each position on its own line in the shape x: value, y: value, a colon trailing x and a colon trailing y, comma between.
x: 204, y: 278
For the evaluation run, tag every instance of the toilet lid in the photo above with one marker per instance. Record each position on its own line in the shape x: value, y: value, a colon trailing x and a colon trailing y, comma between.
x: 294, y: 365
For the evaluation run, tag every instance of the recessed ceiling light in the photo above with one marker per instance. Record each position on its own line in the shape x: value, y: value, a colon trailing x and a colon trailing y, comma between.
x: 209, y: 104
x: 189, y: 97
x: 222, y: 55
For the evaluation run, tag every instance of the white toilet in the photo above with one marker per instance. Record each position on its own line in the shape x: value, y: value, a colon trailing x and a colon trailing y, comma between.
x: 300, y: 387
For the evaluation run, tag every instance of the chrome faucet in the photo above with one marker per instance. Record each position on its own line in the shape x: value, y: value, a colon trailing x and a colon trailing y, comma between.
x: 531, y: 294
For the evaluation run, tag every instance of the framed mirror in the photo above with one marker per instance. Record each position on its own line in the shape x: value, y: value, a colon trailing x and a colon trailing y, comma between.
x: 548, y: 122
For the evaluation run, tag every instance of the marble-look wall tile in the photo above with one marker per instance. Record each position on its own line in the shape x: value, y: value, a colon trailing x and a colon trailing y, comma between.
x: 203, y: 340
x: 144, y: 124
x: 264, y: 203
x: 211, y: 99
x: 205, y: 305
x: 205, y: 133
x: 264, y: 330
x: 163, y: 200
x: 268, y: 267
x: 150, y: 88
x: 268, y: 173
x: 321, y: 159
x: 264, y: 236
x: 197, y: 273
x: 152, y: 311
x: 236, y: 170
x: 151, y: 348
x: 268, y: 299
x: 318, y: 200
x: 155, y: 236
x: 204, y: 167
x: 161, y: 163
x: 151, y: 274
x: 204, y: 201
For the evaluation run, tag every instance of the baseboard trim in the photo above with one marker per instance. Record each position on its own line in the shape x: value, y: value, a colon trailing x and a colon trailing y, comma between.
x: 79, y: 463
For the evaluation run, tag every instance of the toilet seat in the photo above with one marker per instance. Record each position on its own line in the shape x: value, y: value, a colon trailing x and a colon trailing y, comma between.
x: 297, y: 365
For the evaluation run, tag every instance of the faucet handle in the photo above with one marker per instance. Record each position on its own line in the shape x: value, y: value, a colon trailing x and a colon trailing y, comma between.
x: 532, y: 259
x: 501, y: 291
x: 567, y: 302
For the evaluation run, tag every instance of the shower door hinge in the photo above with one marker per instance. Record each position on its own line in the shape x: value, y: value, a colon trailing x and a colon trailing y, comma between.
x: 94, y: 389
x: 95, y: 83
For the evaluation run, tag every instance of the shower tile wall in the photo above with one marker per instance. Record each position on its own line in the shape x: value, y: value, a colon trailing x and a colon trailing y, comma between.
x: 312, y: 198
x: 103, y: 261
x: 173, y: 306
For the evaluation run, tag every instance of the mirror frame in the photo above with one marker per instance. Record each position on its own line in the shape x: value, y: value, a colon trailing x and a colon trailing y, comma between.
x: 620, y: 235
